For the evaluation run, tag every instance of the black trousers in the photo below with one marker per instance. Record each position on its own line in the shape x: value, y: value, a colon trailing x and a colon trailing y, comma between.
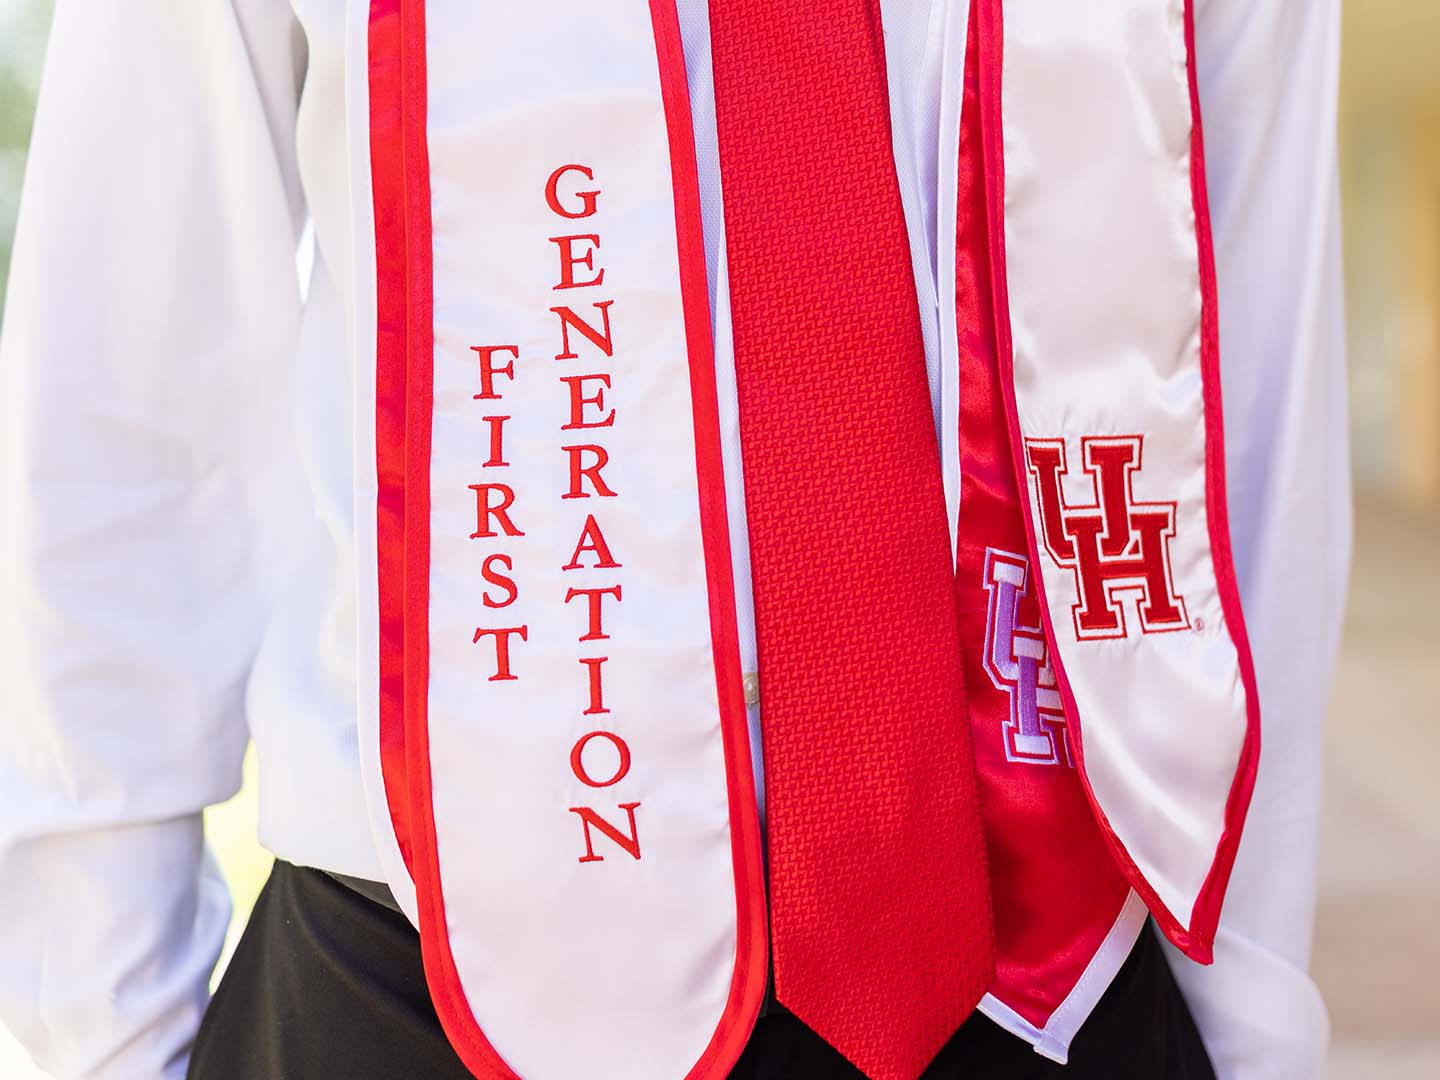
x: 327, y: 984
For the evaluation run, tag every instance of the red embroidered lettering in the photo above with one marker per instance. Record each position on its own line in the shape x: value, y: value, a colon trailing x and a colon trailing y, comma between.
x: 594, y: 664
x: 593, y: 541
x: 590, y: 472
x: 578, y: 401
x: 485, y: 510
x: 497, y: 442
x: 588, y: 817
x: 568, y: 260
x: 499, y: 580
x: 599, y: 338
x: 587, y: 198
x: 577, y: 763
x: 502, y: 648
x: 596, y: 601
x: 488, y: 370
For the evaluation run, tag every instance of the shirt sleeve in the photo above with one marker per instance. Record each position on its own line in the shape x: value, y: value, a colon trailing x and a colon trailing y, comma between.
x: 149, y: 486
x: 1268, y: 84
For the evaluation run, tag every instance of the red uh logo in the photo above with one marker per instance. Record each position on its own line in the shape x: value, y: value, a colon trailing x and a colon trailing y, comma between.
x: 1114, y: 545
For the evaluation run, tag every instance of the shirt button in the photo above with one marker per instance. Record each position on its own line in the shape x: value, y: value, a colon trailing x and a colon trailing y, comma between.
x: 751, y: 683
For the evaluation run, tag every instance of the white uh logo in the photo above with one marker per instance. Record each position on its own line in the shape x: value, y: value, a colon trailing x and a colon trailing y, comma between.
x: 1018, y: 663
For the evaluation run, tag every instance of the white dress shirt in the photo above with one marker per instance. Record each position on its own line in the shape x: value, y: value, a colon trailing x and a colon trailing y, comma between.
x: 177, y: 555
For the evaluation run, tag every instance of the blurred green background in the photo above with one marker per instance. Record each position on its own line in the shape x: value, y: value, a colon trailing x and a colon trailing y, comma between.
x: 1377, y: 939
x: 22, y: 40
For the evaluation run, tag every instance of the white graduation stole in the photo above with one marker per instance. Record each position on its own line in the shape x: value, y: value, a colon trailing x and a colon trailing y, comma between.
x: 553, y: 726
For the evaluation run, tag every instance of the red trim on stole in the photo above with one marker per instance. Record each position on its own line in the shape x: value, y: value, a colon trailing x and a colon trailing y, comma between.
x: 387, y: 183
x: 1196, y: 941
x: 399, y: 152
x: 1212, y: 893
x: 1057, y: 891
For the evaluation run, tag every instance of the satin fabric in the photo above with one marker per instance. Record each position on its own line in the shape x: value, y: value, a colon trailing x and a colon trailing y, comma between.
x: 559, y: 873
x: 1065, y: 916
x: 1105, y: 309
x: 1057, y: 960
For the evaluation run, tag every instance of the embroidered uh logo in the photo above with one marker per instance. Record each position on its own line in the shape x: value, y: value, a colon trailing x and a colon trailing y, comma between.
x: 1115, y: 545
x: 1017, y: 662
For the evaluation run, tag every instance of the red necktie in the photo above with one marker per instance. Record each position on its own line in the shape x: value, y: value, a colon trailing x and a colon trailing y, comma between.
x: 880, y: 900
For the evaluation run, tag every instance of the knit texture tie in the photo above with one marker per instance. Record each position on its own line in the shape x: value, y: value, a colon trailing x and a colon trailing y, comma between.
x: 880, y: 901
